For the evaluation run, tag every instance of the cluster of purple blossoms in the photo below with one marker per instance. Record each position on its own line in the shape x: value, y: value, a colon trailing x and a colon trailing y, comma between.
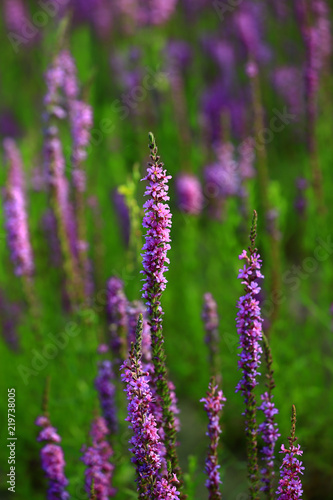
x: 117, y: 316
x: 106, y: 389
x: 223, y: 174
x: 157, y: 221
x: 55, y: 170
x: 270, y: 434
x: 189, y: 194
x: 97, y: 459
x: 16, y: 221
x: 227, y: 177
x: 148, y: 13
x: 52, y: 458
x: 146, y: 442
x: 213, y: 404
x: 81, y: 120
x: 290, y: 485
x: 249, y: 323
x: 288, y: 82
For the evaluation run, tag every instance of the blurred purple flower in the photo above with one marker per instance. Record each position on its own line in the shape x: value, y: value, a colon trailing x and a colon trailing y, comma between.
x: 9, y: 127
x: 117, y: 317
x: 15, y: 210
x: 151, y: 12
x: 270, y: 433
x: 96, y: 457
x: 52, y: 458
x: 189, y: 194
x: 105, y: 386
x: 123, y: 215
x: 289, y: 84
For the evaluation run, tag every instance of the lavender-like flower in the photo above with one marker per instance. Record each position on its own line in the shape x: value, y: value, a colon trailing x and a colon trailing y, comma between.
x: 145, y: 441
x: 16, y: 220
x: 213, y: 404
x: 117, y: 317
x: 189, y: 194
x: 249, y: 328
x: 157, y: 220
x: 148, y: 13
x: 288, y: 81
x: 98, y: 475
x: 211, y: 323
x: 270, y: 434
x: 52, y: 458
x: 106, y: 389
x: 290, y: 486
x: 268, y: 429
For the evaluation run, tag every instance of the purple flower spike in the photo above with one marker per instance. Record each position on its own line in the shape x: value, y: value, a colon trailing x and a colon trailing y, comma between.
x: 146, y: 443
x: 148, y: 13
x: 290, y: 486
x: 106, y: 389
x: 157, y: 221
x: 189, y: 194
x: 97, y: 459
x: 16, y: 220
x: 213, y: 405
x: 53, y: 462
x: 249, y: 328
x: 270, y: 434
x: 117, y: 316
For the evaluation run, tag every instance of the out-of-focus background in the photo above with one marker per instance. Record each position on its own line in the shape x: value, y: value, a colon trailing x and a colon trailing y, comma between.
x: 239, y: 97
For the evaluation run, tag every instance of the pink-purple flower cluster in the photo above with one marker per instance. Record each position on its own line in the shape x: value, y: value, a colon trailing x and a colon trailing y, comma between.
x: 148, y: 13
x: 146, y: 442
x: 290, y: 485
x: 52, y: 458
x: 270, y: 434
x: 157, y: 221
x: 213, y: 404
x: 96, y: 457
x: 249, y: 323
x: 81, y: 123
x: 16, y: 220
x: 189, y: 194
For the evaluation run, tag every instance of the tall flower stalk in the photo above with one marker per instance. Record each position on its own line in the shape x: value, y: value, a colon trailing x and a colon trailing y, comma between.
x: 211, y: 324
x: 157, y: 221
x: 16, y: 225
x: 52, y: 458
x: 268, y: 429
x: 213, y: 404
x: 57, y: 80
x: 290, y: 486
x: 146, y: 440
x: 249, y: 328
